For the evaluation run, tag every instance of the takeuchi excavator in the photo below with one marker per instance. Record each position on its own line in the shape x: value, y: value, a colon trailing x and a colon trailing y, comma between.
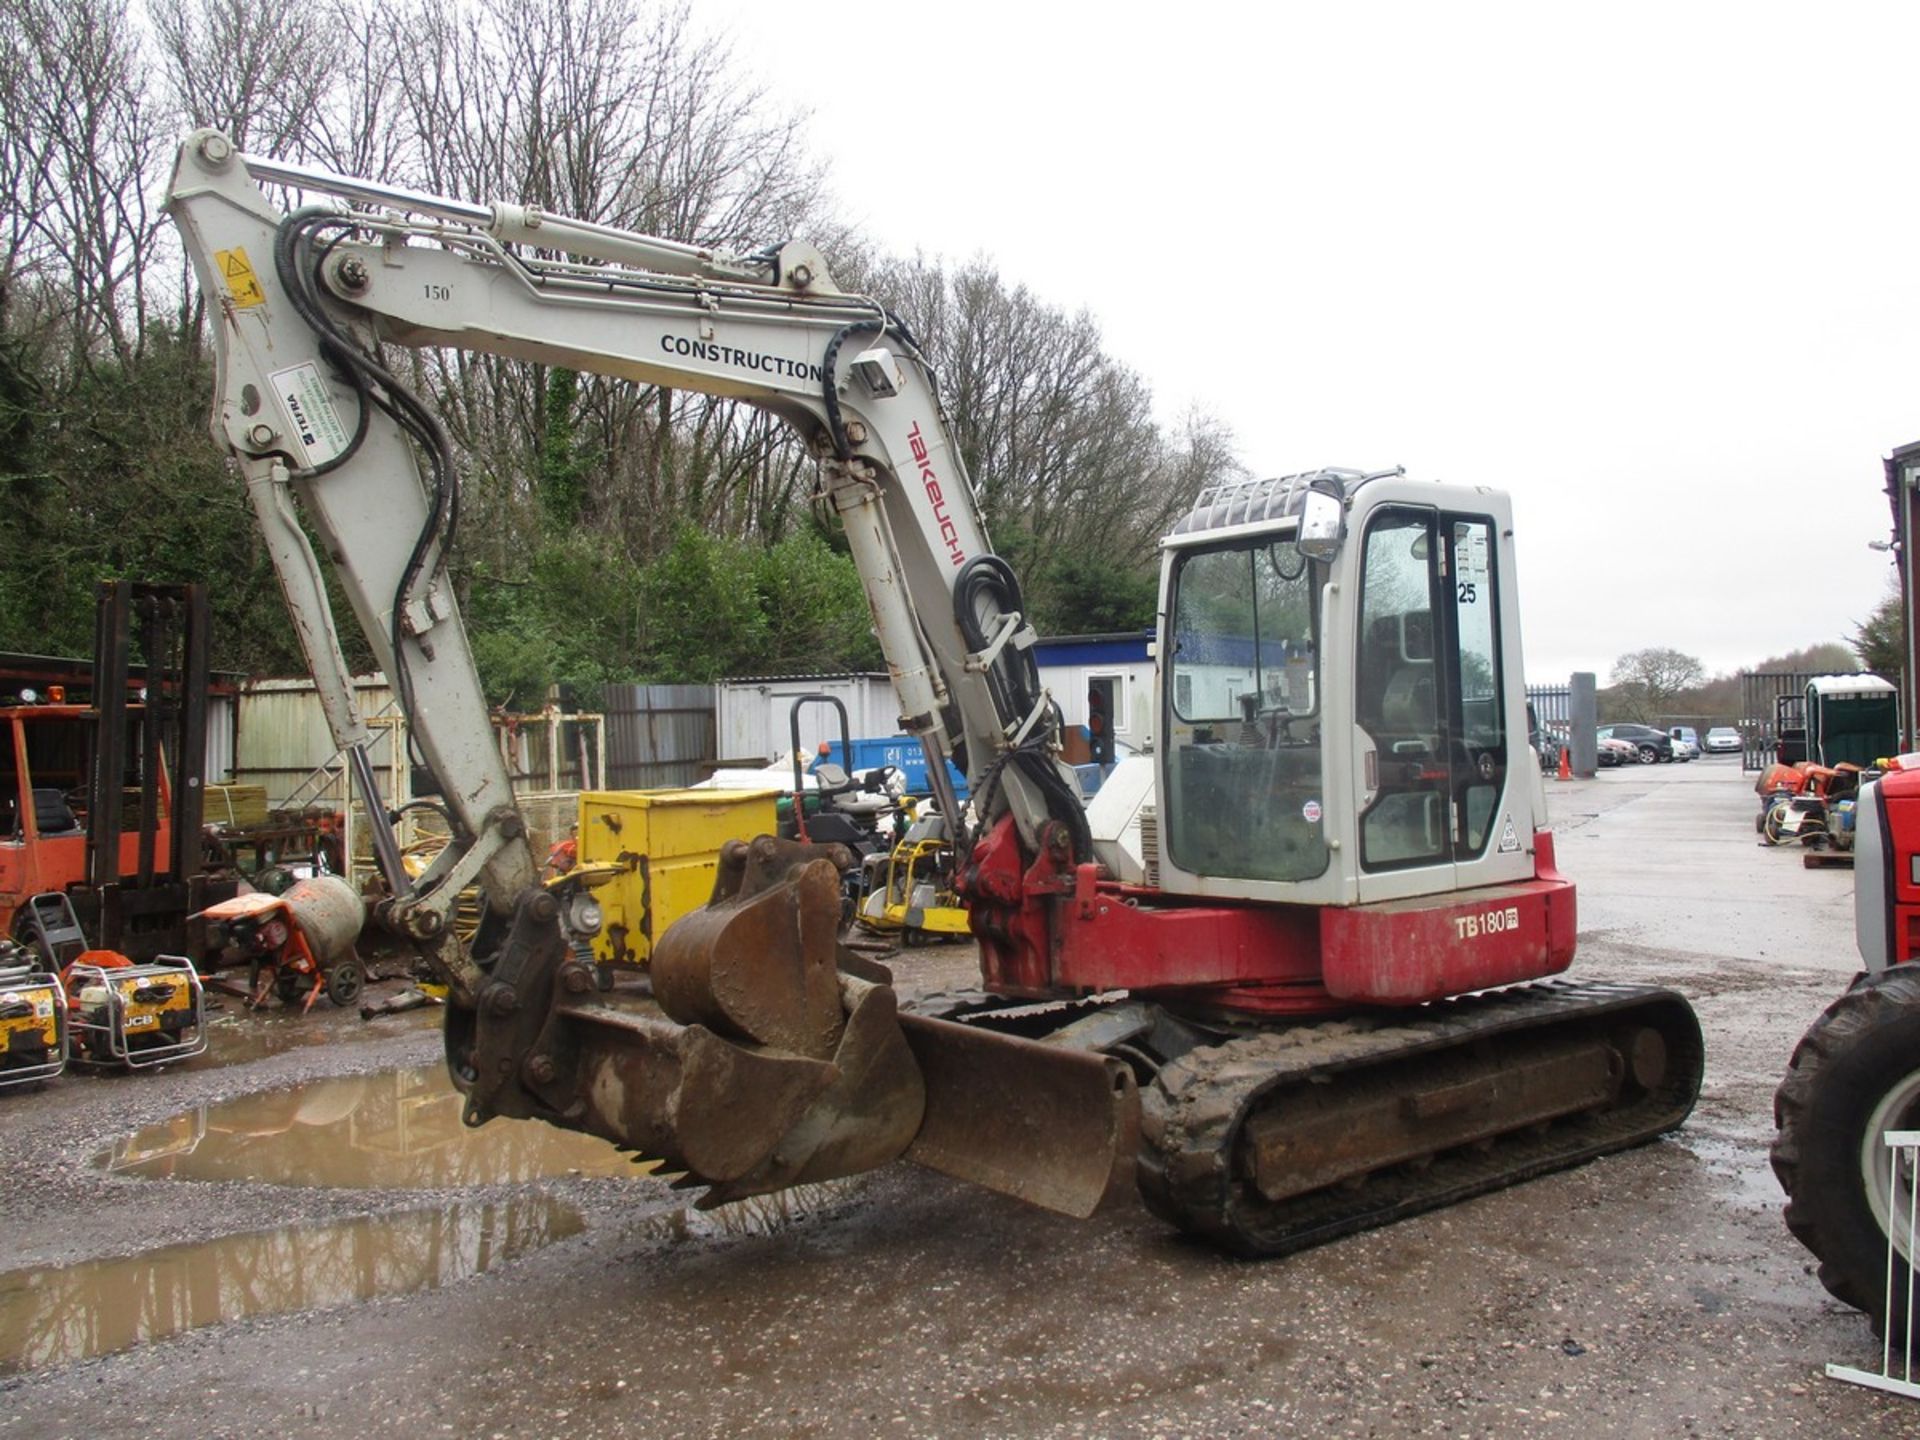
x: 1281, y: 971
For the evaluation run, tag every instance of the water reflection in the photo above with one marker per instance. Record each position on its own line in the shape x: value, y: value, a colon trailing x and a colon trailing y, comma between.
x: 398, y: 1128
x: 755, y: 1215
x: 55, y: 1316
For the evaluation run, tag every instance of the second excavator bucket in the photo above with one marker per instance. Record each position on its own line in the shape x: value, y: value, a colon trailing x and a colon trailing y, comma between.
x: 782, y: 1059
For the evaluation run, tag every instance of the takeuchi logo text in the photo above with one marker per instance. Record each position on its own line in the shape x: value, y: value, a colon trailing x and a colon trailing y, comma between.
x: 949, y: 532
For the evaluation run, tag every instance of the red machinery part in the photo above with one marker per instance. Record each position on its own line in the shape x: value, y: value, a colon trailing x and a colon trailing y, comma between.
x: 1887, y: 873
x: 1051, y: 931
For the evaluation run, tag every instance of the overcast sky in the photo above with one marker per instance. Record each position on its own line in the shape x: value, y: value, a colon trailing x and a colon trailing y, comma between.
x: 1649, y: 268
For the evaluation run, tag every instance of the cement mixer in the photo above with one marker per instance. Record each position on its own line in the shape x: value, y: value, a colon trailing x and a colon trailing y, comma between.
x: 299, y: 943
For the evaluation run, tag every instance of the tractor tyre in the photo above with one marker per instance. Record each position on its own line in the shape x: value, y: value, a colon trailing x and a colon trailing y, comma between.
x: 1854, y: 1076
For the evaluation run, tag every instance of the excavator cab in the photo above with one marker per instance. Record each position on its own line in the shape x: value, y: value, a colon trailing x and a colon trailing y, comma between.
x: 1339, y: 714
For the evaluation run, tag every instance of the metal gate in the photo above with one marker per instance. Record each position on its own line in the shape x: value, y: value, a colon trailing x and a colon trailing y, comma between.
x: 1552, y: 705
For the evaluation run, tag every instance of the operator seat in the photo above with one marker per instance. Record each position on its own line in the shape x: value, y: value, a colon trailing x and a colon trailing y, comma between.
x: 52, y: 815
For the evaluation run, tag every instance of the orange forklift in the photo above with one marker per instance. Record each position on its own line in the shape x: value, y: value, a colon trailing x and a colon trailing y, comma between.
x: 101, y: 863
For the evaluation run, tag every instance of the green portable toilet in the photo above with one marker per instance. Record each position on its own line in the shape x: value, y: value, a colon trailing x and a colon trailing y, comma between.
x: 1851, y: 719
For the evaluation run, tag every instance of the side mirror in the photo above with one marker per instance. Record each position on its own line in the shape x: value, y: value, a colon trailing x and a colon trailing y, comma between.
x: 1322, y: 522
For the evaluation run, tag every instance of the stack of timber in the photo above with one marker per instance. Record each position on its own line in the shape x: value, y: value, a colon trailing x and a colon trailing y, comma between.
x: 235, y: 807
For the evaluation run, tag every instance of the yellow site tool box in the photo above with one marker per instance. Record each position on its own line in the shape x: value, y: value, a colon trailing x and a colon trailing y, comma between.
x: 671, y: 841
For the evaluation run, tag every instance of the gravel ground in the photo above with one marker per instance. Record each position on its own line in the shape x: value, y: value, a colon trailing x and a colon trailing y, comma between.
x: 1654, y: 1293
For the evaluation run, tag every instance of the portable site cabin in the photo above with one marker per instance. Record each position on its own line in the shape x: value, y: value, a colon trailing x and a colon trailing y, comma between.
x: 1851, y: 719
x: 1115, y: 667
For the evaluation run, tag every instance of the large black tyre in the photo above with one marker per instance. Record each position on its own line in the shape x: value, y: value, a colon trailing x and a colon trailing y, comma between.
x: 1853, y: 1076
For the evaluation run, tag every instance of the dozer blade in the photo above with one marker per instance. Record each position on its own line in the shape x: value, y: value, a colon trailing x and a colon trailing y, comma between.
x: 1052, y: 1126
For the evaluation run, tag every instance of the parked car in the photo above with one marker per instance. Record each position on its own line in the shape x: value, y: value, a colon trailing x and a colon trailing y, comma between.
x: 1610, y: 752
x: 1686, y: 733
x: 1722, y: 740
x: 1652, y: 745
x: 1684, y: 749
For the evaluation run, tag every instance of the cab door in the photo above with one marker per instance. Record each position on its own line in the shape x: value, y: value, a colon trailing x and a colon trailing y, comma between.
x: 1431, y: 735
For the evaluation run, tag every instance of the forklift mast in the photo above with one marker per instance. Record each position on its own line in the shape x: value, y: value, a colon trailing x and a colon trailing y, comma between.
x: 148, y: 907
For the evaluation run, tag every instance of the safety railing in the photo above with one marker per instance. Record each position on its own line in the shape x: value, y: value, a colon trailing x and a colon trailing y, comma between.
x: 1902, y: 1218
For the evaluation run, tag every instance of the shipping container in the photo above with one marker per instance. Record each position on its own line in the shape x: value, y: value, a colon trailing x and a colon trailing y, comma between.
x: 753, y: 714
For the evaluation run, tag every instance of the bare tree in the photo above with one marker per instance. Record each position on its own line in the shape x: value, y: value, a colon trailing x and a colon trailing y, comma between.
x: 615, y: 111
x: 1059, y: 438
x: 82, y: 150
x: 1648, y: 681
x: 258, y: 73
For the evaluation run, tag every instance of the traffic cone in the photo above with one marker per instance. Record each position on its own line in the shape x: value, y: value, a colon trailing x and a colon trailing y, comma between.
x: 1566, y: 765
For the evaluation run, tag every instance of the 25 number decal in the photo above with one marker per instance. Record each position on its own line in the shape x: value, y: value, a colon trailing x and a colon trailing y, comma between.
x: 1469, y: 593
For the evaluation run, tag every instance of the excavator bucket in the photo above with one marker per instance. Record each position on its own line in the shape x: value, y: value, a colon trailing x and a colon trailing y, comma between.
x: 782, y: 1058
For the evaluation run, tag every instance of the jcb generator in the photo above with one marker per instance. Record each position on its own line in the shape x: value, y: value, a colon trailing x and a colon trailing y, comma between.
x: 33, y: 1018
x: 135, y: 1016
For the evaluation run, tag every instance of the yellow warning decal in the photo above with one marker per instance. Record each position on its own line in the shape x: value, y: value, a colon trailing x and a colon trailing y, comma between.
x: 237, y: 271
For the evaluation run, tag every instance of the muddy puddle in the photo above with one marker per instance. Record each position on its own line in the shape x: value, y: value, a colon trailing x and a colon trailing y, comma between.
x: 236, y: 1035
x: 56, y: 1316
x: 397, y: 1130
x: 394, y: 1130
x: 1740, y: 1172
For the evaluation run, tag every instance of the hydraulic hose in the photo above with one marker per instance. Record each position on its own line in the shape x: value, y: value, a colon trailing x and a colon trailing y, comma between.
x: 985, y: 589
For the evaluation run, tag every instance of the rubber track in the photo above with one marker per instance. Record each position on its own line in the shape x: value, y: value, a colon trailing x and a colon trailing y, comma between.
x: 1193, y: 1112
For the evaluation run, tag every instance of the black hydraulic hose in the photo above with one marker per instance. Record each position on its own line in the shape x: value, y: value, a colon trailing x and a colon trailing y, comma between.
x: 288, y: 241
x: 372, y: 382
x: 987, y: 582
x: 885, y: 323
x: 1014, y: 676
x: 829, y: 386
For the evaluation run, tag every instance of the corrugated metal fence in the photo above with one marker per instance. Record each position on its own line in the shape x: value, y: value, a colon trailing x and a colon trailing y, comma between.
x: 658, y: 736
